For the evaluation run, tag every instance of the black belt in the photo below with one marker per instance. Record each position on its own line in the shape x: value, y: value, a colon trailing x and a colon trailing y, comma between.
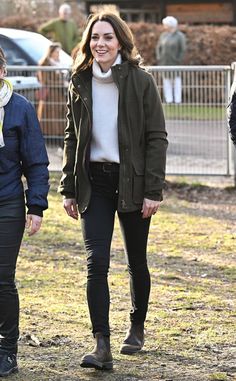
x: 104, y: 166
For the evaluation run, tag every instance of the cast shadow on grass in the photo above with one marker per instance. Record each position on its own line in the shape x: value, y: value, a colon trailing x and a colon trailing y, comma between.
x: 204, y: 196
x: 146, y: 365
x: 194, y: 269
x: 222, y: 215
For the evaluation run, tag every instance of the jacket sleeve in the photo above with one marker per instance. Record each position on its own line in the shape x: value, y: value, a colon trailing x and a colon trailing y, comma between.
x: 67, y: 183
x: 34, y: 163
x: 182, y: 47
x: 156, y: 142
x: 231, y: 113
x: 48, y: 28
x: 158, y: 48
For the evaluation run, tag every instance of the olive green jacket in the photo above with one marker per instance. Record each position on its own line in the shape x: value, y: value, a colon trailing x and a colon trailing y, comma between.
x: 171, y: 48
x: 65, y: 32
x: 141, y: 135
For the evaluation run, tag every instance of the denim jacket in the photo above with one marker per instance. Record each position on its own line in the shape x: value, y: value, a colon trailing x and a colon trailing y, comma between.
x: 25, y: 154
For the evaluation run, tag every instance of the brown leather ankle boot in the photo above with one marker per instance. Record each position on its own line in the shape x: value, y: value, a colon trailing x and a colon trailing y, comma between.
x: 101, y: 357
x: 134, y: 339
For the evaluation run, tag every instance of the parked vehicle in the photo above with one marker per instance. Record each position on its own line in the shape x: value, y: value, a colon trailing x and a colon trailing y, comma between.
x: 26, y: 48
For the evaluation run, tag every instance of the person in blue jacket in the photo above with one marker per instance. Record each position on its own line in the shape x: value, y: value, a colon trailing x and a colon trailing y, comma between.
x: 232, y: 113
x: 22, y: 153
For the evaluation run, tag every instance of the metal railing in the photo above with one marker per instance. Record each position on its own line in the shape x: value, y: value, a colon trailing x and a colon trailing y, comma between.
x: 197, y: 127
x: 196, y: 122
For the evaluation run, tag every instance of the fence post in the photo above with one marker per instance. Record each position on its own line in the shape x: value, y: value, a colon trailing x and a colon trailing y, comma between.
x: 233, y: 150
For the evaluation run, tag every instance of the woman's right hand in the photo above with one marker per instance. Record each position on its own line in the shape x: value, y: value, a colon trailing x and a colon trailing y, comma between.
x: 70, y: 207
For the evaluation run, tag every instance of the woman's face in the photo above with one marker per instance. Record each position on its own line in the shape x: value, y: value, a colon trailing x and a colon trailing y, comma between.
x: 104, y: 44
x: 169, y: 28
x: 55, y: 55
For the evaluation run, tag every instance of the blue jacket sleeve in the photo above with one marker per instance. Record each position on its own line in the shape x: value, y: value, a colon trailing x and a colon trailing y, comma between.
x: 34, y: 163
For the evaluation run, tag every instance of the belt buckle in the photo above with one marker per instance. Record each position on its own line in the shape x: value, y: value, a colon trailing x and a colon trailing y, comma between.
x: 107, y: 167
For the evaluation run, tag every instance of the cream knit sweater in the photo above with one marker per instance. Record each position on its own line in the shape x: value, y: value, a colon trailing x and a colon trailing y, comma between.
x: 105, y: 95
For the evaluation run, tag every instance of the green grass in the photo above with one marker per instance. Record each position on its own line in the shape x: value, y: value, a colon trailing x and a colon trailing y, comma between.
x: 191, y: 320
x: 218, y: 377
x: 193, y: 112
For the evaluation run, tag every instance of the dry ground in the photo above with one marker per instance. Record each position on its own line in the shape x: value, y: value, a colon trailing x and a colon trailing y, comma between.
x: 192, y: 317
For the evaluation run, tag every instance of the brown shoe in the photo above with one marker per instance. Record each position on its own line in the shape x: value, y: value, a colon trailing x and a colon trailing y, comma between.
x: 100, y: 358
x: 134, y: 339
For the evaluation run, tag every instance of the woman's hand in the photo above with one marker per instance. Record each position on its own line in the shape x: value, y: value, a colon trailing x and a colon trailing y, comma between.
x: 150, y: 207
x: 70, y: 207
x: 33, y: 223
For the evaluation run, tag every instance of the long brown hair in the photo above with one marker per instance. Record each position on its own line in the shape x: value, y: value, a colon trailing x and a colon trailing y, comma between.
x: 84, y: 57
x: 44, y: 61
x: 3, y: 61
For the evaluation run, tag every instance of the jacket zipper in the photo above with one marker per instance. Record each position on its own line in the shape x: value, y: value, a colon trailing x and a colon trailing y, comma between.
x: 123, y: 201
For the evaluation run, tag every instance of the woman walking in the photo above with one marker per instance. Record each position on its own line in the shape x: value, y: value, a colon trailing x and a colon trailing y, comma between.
x: 114, y: 161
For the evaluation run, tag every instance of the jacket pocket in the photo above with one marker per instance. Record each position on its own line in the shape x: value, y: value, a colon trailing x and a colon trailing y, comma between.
x: 8, y: 159
x: 138, y: 186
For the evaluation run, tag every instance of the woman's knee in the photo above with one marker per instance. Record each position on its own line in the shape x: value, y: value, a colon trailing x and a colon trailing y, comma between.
x: 97, y: 267
x: 138, y: 268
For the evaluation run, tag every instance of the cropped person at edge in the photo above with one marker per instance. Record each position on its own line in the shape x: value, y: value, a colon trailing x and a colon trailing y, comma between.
x: 231, y: 112
x: 114, y: 161
x: 22, y: 152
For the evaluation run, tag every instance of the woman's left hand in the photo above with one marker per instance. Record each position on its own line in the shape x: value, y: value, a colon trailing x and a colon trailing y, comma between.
x: 33, y: 223
x: 150, y: 207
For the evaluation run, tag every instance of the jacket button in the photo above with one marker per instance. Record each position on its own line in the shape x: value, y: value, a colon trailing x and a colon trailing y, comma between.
x: 85, y: 99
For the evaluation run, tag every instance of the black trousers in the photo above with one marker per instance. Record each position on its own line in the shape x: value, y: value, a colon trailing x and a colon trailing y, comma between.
x: 12, y: 224
x: 97, y: 227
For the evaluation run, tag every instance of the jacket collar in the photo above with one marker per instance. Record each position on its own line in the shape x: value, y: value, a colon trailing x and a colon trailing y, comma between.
x: 82, y: 78
x: 121, y: 69
x: 86, y: 75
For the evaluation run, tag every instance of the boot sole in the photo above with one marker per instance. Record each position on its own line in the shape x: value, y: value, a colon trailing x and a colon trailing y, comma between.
x: 97, y: 365
x: 129, y: 350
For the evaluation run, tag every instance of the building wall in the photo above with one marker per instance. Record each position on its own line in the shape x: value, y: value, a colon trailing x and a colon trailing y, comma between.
x: 196, y: 12
x: 216, y: 13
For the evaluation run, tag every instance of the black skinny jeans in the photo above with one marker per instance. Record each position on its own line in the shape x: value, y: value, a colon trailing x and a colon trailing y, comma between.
x: 97, y: 227
x: 12, y: 224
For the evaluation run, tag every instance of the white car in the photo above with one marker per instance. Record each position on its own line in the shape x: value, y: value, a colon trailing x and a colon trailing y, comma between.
x: 24, y: 48
x: 27, y: 48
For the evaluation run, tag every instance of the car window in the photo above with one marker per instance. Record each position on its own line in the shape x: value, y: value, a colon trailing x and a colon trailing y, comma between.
x: 13, y: 54
x: 34, y: 47
x: 37, y: 45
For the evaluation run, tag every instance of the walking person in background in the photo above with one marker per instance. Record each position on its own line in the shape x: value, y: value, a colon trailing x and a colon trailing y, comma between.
x: 114, y: 161
x: 170, y: 51
x: 51, y: 96
x: 62, y: 29
x: 232, y: 112
x: 22, y: 152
